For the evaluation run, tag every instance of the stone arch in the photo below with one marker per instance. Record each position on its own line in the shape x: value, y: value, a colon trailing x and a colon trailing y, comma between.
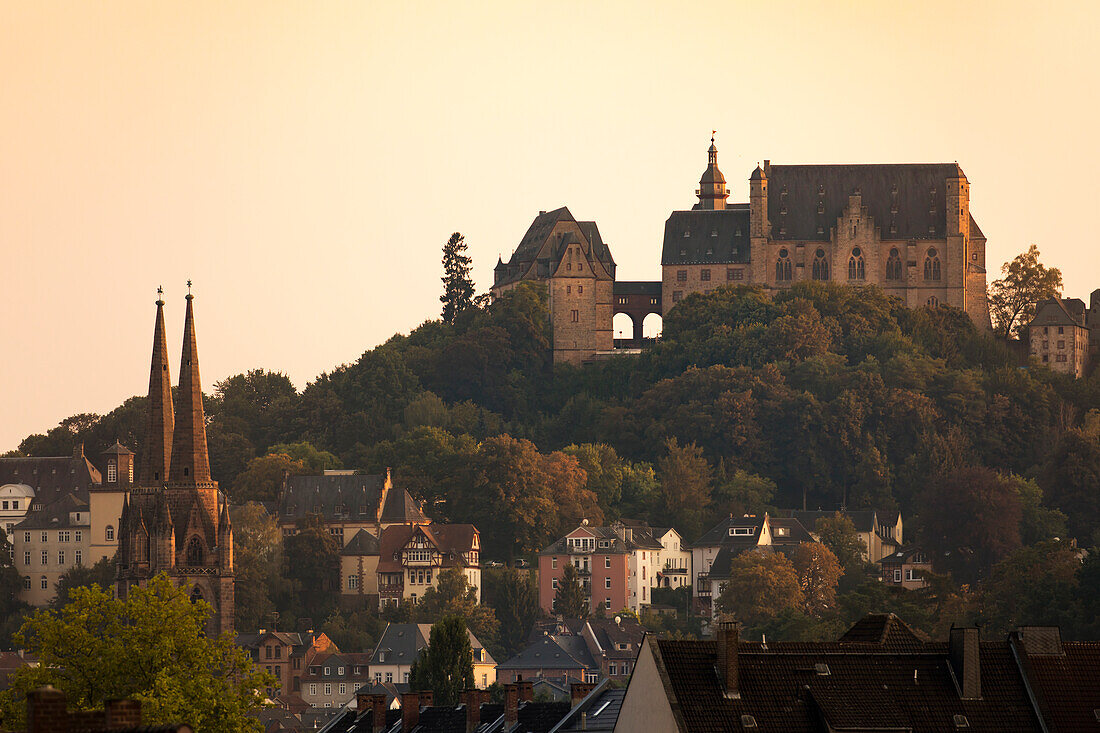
x: 652, y: 325
x: 196, y: 594
x: 893, y: 265
x: 624, y: 325
x: 820, y: 269
x: 857, y: 267
x: 195, y: 554
x: 932, y: 268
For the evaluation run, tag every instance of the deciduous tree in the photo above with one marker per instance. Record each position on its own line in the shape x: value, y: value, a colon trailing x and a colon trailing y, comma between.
x: 453, y: 596
x: 685, y: 485
x: 1025, y: 284
x: 761, y: 585
x: 446, y: 666
x: 819, y: 572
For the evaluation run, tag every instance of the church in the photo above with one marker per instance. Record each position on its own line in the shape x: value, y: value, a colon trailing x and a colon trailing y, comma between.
x: 175, y: 520
x: 906, y: 228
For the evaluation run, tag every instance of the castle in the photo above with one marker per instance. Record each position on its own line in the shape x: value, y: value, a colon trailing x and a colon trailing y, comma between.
x: 174, y: 519
x: 904, y: 227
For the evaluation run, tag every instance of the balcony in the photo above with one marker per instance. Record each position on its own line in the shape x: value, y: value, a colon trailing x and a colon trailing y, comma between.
x: 586, y: 570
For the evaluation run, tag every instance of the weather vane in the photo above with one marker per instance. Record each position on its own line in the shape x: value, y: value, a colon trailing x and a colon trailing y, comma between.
x: 160, y: 291
x: 188, y: 287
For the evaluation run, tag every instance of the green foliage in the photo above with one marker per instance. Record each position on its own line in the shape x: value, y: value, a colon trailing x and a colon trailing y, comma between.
x: 101, y: 574
x: 514, y: 598
x: 1034, y: 585
x: 1025, y: 284
x: 839, y: 534
x: 11, y: 584
x: 685, y: 483
x: 760, y: 586
x: 315, y: 568
x: 263, y: 478
x: 454, y: 597
x: 446, y: 666
x: 315, y: 461
x: 458, y: 288
x: 257, y: 558
x: 150, y: 647
x: 570, y: 600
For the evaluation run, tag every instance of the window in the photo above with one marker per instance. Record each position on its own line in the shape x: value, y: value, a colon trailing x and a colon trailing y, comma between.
x: 857, y: 269
x: 607, y: 561
x: 45, y: 584
x: 554, y: 583
x: 783, y: 266
x: 740, y: 531
x: 112, y: 471
x: 932, y: 265
x: 1061, y: 344
x: 893, y: 265
x: 78, y: 536
x: 607, y: 583
x: 278, y: 652
x: 389, y: 676
x: 45, y: 537
x: 45, y: 557
x: 194, y: 551
x: 612, y: 668
x: 681, y: 276
x: 897, y: 575
x: 26, y: 558
x: 26, y: 582
x: 353, y: 582
x: 735, y: 274
x: 63, y: 536
x: 607, y: 603
x: 704, y: 275
x: 406, y: 678
x: 422, y: 555
x: 79, y: 557
x: 26, y: 536
x: 568, y: 289
x: 343, y: 688
x: 554, y: 562
x: 821, y: 266
x: 933, y: 301
x: 576, y: 317
x: 377, y: 676
x: 910, y: 574
x: 580, y: 290
x: 1061, y: 329
x: 110, y: 533
x: 677, y: 296
x: 313, y: 688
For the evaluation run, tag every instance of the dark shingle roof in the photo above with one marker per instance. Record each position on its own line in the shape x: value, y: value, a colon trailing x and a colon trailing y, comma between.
x: 601, y: 710
x: 863, y: 520
x: 637, y: 287
x: 51, y: 477
x: 1064, y: 676
x: 552, y: 652
x: 884, y: 629
x: 401, y: 642
x: 55, y: 515
x: 363, y: 543
x: 707, y: 236
x: 719, y: 534
x: 358, y: 496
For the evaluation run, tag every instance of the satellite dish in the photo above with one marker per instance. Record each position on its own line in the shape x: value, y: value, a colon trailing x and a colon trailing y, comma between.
x: 618, y: 620
x: 584, y: 522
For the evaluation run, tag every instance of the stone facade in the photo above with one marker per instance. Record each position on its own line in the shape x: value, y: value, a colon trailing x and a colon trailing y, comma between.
x: 1059, y: 335
x: 176, y: 520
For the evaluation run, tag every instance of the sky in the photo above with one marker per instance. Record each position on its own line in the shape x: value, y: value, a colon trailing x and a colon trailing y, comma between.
x: 304, y: 162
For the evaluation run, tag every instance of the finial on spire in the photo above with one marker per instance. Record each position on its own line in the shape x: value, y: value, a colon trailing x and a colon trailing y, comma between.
x: 189, y: 290
x: 160, y: 295
x: 712, y: 132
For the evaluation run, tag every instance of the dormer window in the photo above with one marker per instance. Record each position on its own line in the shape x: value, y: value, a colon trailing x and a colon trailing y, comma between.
x: 714, y: 232
x: 687, y: 233
x: 740, y: 531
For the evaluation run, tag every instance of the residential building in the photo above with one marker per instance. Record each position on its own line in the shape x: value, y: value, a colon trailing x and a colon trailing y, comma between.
x: 749, y: 531
x: 617, y: 566
x: 332, y: 679
x: 50, y: 540
x: 906, y: 568
x: 1059, y: 335
x: 673, y: 559
x: 359, y: 570
x: 412, y: 556
x: 175, y: 520
x: 557, y: 656
x: 400, y: 646
x: 347, y: 502
x: 286, y: 655
x: 577, y: 649
x: 24, y: 479
x: 880, y: 531
x: 879, y: 675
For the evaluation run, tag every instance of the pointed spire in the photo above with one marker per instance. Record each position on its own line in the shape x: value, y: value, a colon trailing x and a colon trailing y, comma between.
x: 156, y: 453
x: 190, y: 460
x: 712, y: 185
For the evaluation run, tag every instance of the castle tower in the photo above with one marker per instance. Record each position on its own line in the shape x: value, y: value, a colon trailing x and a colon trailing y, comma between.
x: 712, y: 186
x: 156, y: 454
x: 181, y: 528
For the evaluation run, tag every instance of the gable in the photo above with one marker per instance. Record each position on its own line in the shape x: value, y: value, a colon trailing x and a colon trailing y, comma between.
x: 648, y: 703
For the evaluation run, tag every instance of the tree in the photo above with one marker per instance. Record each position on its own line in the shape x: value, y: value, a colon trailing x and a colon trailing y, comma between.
x: 1034, y: 585
x: 1025, y: 284
x: 514, y: 598
x: 569, y: 599
x: 11, y: 583
x: 453, y: 596
x: 685, y: 485
x: 761, y: 585
x: 257, y: 556
x: 79, y: 576
x: 1070, y: 476
x: 315, y: 461
x: 741, y: 493
x: 263, y: 478
x: 1038, y: 522
x: 446, y: 666
x: 819, y: 572
x: 839, y: 534
x: 971, y: 518
x: 150, y: 647
x: 458, y: 288
x: 311, y: 558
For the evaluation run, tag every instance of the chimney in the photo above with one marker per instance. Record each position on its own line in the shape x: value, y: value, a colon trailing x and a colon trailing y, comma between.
x: 473, y: 710
x: 378, y: 713
x: 123, y: 713
x: 578, y: 691
x: 364, y: 701
x: 729, y: 635
x: 511, y: 704
x: 526, y: 690
x: 410, y: 710
x: 46, y: 710
x: 427, y: 698
x: 78, y: 450
x: 963, y: 649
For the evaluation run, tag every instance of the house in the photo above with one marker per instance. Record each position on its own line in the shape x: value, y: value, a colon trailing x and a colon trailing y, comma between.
x: 400, y: 645
x: 332, y: 679
x: 51, y: 539
x: 673, y: 559
x: 359, y: 570
x: 347, y: 502
x: 412, y: 556
x: 748, y: 531
x: 23, y: 479
x: 285, y: 654
x: 557, y: 656
x: 1059, y: 334
x: 878, y: 676
x: 598, y: 710
x: 582, y: 650
x: 617, y: 566
x: 880, y: 531
x: 906, y: 567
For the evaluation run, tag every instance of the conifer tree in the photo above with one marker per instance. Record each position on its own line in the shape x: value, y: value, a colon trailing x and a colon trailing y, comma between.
x: 446, y: 666
x: 458, y: 288
x: 569, y: 600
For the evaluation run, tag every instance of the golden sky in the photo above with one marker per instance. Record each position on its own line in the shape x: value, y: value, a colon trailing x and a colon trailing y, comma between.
x: 303, y: 162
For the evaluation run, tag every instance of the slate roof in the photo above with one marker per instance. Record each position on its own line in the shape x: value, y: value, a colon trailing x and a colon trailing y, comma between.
x: 402, y: 642
x: 637, y: 287
x: 885, y: 630
x: 532, y: 247
x: 1064, y: 676
x: 640, y: 539
x: 601, y: 708
x: 55, y: 515
x: 918, y: 192
x: 707, y: 236
x: 363, y: 543
x: 720, y: 568
x: 1066, y: 311
x: 452, y: 541
x: 51, y: 478
x: 552, y: 652
x: 905, y: 554
x: 864, y: 520
x: 795, y: 532
x: 359, y: 495
x: 719, y: 533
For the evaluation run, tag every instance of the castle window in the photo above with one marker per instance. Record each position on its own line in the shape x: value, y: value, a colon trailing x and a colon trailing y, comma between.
x: 1061, y: 329
x: 735, y: 274
x: 45, y: 584
x: 893, y: 265
x: 194, y: 552
x: 580, y: 290
x: 677, y: 296
x: 568, y: 289
x: 568, y: 265
x: 710, y: 251
x: 821, y: 208
x: 704, y: 275
x: 196, y: 595
x: 821, y: 266
x: 109, y: 533
x: 820, y: 229
x: 857, y: 269
x: 933, y: 301
x: 683, y: 252
x: 687, y: 233
x: 112, y: 471
x: 783, y: 266
x: 932, y: 265
x: 575, y: 316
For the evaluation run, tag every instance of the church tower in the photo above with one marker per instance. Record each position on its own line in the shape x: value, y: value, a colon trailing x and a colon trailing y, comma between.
x: 712, y: 186
x: 176, y: 521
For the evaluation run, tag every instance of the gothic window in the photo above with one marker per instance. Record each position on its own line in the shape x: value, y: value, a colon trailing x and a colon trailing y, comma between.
x: 783, y: 266
x: 109, y: 533
x: 821, y: 266
x: 196, y: 594
x: 932, y: 265
x: 893, y: 265
x: 857, y: 269
x: 194, y: 551
x: 933, y: 301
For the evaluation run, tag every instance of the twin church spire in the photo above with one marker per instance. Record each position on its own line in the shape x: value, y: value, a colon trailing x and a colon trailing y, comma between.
x: 175, y: 449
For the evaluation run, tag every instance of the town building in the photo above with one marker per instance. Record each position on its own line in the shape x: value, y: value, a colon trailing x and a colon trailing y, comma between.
x: 673, y: 559
x: 558, y: 656
x: 1059, y: 335
x: 401, y: 645
x: 412, y: 556
x: 50, y: 541
x: 347, y: 502
x: 24, y: 479
x: 359, y: 571
x: 175, y: 520
x: 881, y: 532
x: 332, y: 679
x: 878, y: 676
x: 287, y: 655
x: 617, y: 565
x: 906, y: 568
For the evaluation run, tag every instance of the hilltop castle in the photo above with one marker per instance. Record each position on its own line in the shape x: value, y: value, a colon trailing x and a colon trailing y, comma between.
x: 904, y: 227
x: 175, y: 520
